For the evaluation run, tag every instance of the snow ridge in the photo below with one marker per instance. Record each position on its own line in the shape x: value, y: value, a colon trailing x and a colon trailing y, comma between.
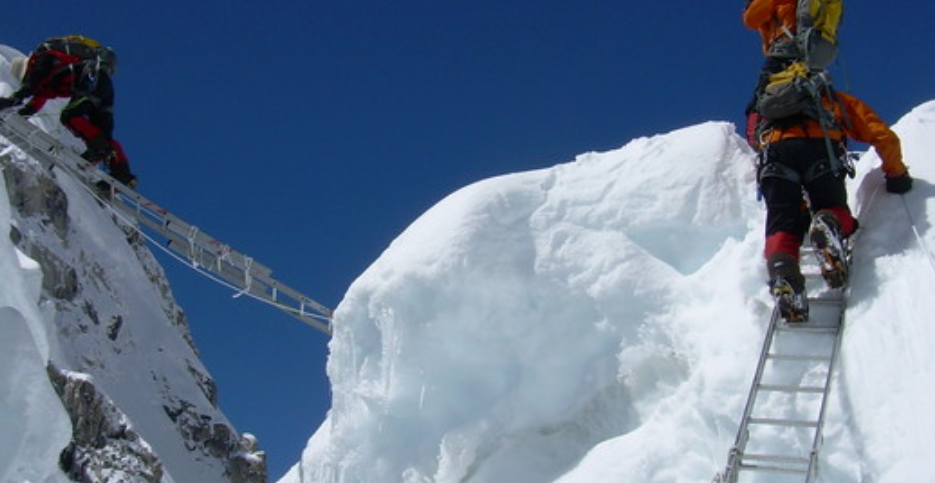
x: 600, y: 321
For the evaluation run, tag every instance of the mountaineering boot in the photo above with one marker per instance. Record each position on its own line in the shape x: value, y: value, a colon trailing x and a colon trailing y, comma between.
x: 121, y: 172
x: 825, y: 234
x: 98, y: 150
x: 787, y: 286
x: 103, y: 190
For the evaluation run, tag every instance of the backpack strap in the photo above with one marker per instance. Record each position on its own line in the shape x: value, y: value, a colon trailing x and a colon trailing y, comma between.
x: 827, y: 120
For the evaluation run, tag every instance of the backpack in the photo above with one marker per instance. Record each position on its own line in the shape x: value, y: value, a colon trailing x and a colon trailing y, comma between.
x: 817, y: 23
x: 78, y: 46
x: 795, y: 92
x: 57, y: 58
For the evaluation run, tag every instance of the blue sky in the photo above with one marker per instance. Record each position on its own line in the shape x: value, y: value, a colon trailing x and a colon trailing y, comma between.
x: 309, y: 134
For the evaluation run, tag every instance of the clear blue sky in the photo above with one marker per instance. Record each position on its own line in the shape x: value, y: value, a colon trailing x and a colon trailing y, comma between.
x: 308, y: 134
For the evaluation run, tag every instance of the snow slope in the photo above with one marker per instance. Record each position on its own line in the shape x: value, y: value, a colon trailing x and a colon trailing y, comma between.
x: 90, y: 310
x: 599, y: 321
x: 33, y: 427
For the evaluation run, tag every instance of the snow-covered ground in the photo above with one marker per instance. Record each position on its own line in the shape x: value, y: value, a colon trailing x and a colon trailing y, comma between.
x: 599, y: 321
x: 98, y: 313
x: 34, y: 427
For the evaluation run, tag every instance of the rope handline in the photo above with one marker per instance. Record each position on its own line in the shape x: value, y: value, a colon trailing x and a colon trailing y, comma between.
x: 32, y: 139
x: 192, y: 233
x: 915, y: 231
x: 247, y: 277
x: 197, y: 268
x: 912, y: 223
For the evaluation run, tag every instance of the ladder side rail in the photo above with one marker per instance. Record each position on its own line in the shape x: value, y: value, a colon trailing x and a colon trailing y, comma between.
x: 303, y: 301
x: 760, y: 368
x: 199, y: 238
x: 197, y: 256
x: 14, y: 125
x: 182, y: 238
x: 822, y: 411
x: 262, y: 287
x: 23, y: 141
x: 223, y: 256
x: 171, y: 226
x: 211, y: 260
x: 38, y: 143
x: 294, y: 304
x: 740, y: 443
x: 46, y: 149
x: 137, y: 206
x: 312, y: 322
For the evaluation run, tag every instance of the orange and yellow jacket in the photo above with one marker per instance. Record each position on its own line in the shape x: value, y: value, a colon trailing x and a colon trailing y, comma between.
x: 860, y: 123
x: 774, y: 19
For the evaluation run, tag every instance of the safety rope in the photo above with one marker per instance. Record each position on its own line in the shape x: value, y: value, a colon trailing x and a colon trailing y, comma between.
x: 193, y: 264
x: 865, y: 207
x: 915, y: 230
x: 247, y: 277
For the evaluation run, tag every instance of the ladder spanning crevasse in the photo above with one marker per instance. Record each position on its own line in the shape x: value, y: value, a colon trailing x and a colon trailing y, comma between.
x: 204, y: 252
x: 780, y: 433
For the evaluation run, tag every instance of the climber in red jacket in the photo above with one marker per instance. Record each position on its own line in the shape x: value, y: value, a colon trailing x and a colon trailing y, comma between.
x: 79, y: 68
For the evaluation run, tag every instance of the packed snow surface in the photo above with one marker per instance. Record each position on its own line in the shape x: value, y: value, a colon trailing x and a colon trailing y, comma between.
x: 34, y: 427
x: 600, y: 321
x: 597, y: 321
x: 122, y: 330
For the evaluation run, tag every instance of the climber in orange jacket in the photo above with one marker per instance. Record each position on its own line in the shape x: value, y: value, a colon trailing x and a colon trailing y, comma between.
x: 775, y: 21
x: 796, y: 159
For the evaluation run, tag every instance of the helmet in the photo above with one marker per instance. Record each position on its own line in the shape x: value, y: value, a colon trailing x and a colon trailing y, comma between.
x: 107, y: 59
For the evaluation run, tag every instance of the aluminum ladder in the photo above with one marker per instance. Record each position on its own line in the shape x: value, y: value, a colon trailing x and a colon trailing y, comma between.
x: 204, y: 252
x: 780, y: 434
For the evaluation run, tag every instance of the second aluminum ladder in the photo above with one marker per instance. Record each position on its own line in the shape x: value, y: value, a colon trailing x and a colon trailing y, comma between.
x: 780, y: 433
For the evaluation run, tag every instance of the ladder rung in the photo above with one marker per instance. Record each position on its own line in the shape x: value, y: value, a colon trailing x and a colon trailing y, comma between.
x: 826, y: 300
x: 784, y: 422
x: 787, y: 388
x: 799, y: 357
x: 777, y: 458
x: 804, y: 327
x: 774, y: 469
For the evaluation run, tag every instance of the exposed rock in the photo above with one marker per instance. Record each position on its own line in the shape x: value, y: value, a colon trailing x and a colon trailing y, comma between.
x: 250, y: 464
x: 33, y: 192
x: 104, y: 447
x: 247, y: 463
x: 100, y: 338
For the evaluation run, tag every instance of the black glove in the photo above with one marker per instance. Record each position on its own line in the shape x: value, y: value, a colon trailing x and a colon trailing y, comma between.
x: 899, y: 184
x: 6, y: 102
x: 27, y: 111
